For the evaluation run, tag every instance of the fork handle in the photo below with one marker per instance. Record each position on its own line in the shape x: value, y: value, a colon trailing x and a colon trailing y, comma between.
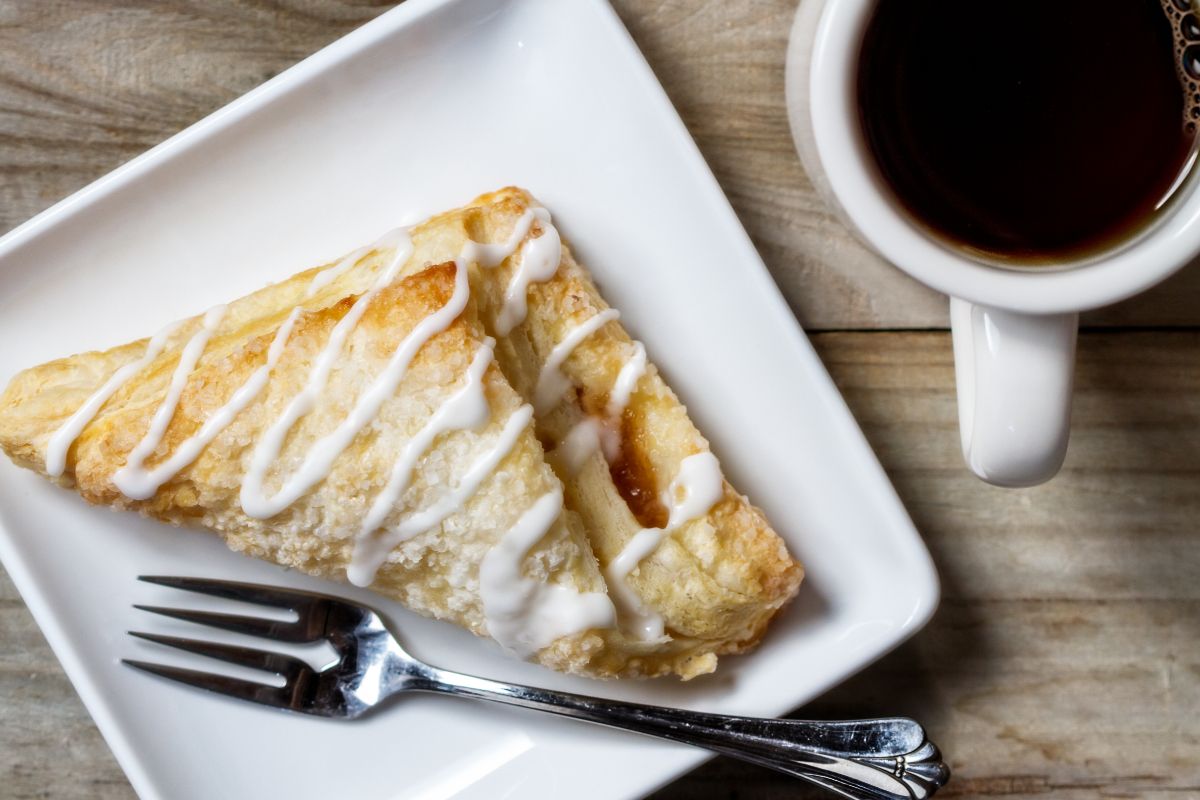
x: 874, y: 759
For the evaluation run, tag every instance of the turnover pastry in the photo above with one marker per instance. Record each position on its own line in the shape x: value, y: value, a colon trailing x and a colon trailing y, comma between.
x: 451, y: 416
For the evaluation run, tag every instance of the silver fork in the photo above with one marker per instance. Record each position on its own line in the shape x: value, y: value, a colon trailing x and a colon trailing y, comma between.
x: 874, y: 759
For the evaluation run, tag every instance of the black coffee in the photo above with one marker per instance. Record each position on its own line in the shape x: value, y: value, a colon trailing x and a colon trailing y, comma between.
x: 1034, y: 131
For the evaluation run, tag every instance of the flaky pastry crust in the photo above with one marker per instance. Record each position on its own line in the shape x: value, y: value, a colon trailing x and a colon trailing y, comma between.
x: 716, y: 581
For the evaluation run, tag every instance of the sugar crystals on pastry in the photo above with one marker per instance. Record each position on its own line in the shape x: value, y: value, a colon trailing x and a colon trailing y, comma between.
x: 451, y: 416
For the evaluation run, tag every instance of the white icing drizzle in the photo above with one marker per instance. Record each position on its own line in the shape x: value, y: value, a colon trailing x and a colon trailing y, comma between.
x: 319, y: 459
x: 493, y: 254
x: 579, y: 444
x: 62, y: 439
x: 331, y: 274
x: 397, y: 238
x: 552, y: 384
x: 371, y: 550
x: 627, y: 380
x: 696, y: 488
x: 539, y: 261
x: 524, y: 615
x: 138, y: 483
x: 590, y: 433
x: 467, y: 408
x: 455, y: 500
x: 129, y: 478
x: 636, y: 618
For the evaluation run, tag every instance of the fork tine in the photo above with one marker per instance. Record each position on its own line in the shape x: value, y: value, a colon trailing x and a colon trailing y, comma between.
x: 253, y: 626
x: 221, y: 684
x: 244, y: 656
x: 234, y: 590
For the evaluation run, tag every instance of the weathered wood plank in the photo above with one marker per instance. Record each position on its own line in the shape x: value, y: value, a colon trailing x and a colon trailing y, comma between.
x: 49, y: 746
x: 85, y: 86
x: 1065, y: 659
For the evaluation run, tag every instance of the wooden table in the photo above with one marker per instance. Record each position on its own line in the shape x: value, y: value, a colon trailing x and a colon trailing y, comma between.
x: 1065, y: 658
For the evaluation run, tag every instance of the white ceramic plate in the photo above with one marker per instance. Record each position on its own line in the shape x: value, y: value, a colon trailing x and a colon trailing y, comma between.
x: 420, y: 110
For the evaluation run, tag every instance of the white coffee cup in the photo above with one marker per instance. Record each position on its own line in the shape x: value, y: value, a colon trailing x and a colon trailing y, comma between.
x: 1014, y: 330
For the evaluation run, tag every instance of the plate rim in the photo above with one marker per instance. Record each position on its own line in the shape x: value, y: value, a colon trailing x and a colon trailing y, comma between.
x: 924, y: 587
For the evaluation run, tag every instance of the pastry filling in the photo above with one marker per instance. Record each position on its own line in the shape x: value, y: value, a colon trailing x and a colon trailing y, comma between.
x: 633, y: 475
x: 522, y: 614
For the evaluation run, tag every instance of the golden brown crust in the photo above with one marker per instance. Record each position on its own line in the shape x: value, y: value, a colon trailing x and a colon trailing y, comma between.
x: 434, y: 573
x: 717, y: 581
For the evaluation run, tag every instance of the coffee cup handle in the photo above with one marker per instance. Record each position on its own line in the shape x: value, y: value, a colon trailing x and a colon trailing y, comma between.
x: 1014, y: 374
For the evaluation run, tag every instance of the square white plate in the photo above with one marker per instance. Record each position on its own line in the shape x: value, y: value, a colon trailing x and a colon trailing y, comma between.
x: 421, y: 110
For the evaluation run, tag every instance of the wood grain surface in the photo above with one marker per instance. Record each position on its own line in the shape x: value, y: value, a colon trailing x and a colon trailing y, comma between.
x: 1065, y: 658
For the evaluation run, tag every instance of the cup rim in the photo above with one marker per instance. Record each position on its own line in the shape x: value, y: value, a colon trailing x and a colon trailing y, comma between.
x: 849, y: 169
